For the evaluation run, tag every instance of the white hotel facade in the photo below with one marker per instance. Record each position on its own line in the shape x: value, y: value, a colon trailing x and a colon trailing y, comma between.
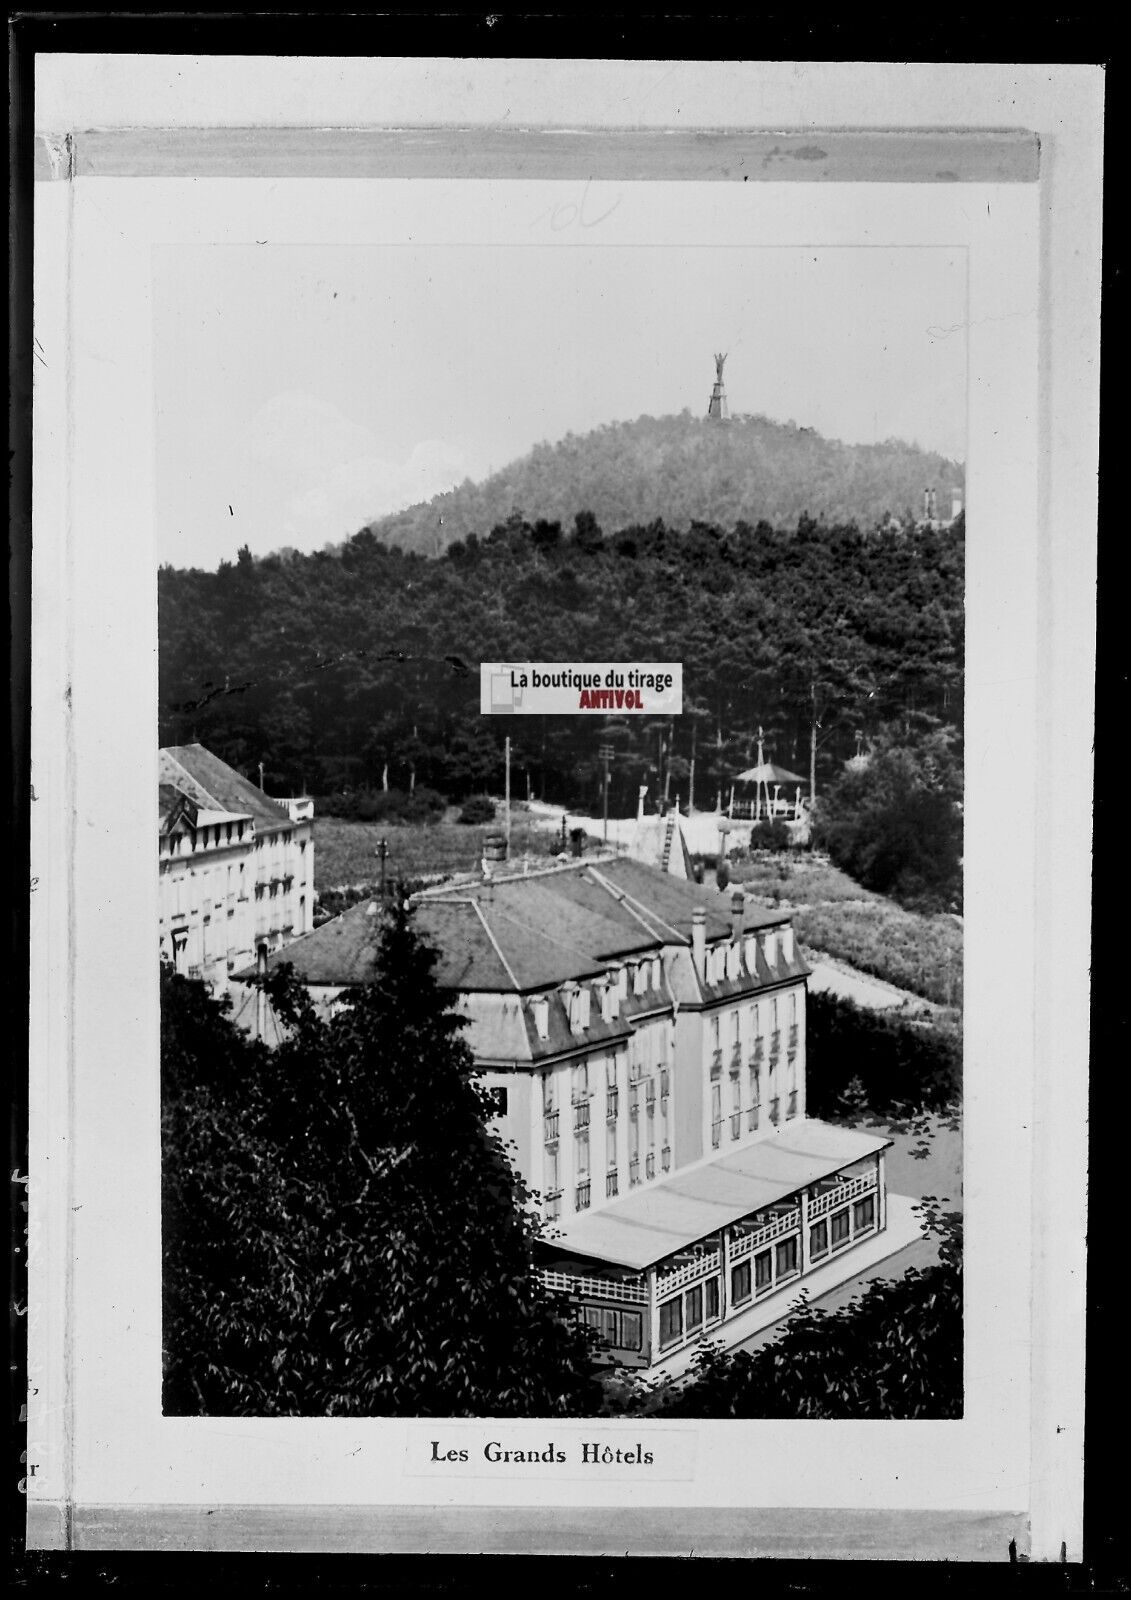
x: 645, y: 1039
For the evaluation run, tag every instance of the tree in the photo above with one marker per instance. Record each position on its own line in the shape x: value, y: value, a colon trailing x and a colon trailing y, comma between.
x: 894, y: 1351
x: 350, y: 1234
x: 894, y: 820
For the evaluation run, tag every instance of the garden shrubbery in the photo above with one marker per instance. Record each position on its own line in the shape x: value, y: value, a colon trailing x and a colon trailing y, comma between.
x: 769, y: 836
x: 862, y: 1062
x: 384, y: 805
x: 477, y: 808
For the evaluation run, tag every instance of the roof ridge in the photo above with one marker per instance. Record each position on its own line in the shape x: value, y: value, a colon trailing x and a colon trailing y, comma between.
x: 623, y: 897
x: 196, y: 783
x: 497, y: 947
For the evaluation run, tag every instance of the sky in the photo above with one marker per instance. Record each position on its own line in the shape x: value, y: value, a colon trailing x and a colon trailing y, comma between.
x: 304, y: 390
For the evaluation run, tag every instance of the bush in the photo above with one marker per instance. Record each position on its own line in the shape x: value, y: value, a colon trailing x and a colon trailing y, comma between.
x: 769, y: 836
x: 384, y: 805
x: 477, y: 808
x: 861, y: 1062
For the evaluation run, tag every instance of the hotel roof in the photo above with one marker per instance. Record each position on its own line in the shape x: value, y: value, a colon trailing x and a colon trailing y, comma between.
x: 214, y: 786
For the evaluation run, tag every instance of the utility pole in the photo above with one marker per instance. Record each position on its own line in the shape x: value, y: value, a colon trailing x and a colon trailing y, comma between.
x: 507, y: 800
x: 691, y: 777
x: 606, y: 755
x: 382, y: 852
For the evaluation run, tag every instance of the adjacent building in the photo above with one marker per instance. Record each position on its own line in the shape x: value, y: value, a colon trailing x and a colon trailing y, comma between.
x: 236, y: 868
x: 644, y: 1037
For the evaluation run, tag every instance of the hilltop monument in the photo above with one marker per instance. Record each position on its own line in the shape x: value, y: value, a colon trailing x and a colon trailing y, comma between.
x: 717, y: 406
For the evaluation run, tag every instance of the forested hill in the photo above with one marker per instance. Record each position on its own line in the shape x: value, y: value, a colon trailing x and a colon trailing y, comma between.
x: 686, y: 469
x: 341, y: 668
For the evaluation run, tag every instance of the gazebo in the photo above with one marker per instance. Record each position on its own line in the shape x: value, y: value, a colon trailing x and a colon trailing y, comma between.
x: 771, y: 790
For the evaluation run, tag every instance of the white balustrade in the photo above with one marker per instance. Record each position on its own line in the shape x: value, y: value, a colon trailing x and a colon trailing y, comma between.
x: 820, y: 1204
x: 627, y: 1290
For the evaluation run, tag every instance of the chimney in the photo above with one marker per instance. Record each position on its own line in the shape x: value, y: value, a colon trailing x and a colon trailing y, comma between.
x: 699, y: 941
x: 737, y: 909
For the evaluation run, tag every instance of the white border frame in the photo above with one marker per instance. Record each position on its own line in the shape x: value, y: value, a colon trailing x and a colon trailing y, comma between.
x: 92, y: 1430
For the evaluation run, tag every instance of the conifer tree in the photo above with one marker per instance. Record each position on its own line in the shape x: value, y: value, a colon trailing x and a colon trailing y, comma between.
x: 398, y: 1274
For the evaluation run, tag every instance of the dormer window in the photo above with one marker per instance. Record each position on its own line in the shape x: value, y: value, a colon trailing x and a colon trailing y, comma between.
x: 770, y: 948
x: 540, y: 1010
x: 583, y: 998
x: 787, y: 943
x: 639, y: 978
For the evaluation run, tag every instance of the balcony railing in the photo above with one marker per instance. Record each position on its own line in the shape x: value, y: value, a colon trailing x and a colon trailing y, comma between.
x: 666, y: 1158
x: 553, y: 1204
x: 550, y: 1126
x: 736, y: 1060
x: 744, y: 1243
x: 581, y: 1196
x: 716, y: 1134
x: 775, y: 1042
x: 820, y: 1204
x: 580, y: 1115
x: 793, y: 1031
x: 716, y: 1062
x: 612, y: 1185
x: 612, y: 1103
x: 633, y: 1291
x: 735, y: 1124
x: 701, y: 1267
x: 759, y: 1054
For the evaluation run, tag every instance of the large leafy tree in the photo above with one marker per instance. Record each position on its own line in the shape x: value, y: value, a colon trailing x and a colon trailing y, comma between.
x: 343, y: 1233
x: 894, y: 819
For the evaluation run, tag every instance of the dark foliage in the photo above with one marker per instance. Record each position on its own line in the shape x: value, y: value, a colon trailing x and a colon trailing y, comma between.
x: 895, y: 1351
x: 769, y: 836
x: 383, y: 805
x: 477, y: 808
x: 342, y: 1234
x: 339, y: 671
x: 894, y: 820
x: 862, y: 1062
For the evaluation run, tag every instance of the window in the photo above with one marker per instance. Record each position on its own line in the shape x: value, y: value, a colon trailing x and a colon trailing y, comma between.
x: 582, y: 1155
x: 548, y: 1092
x: 581, y: 1081
x: 620, y: 1330
x: 553, y: 1183
x: 763, y: 1271
x: 740, y: 1283
x: 611, y: 1145
x: 714, y: 1033
x: 786, y: 1257
x: 819, y: 1239
x: 711, y: 1289
x: 864, y: 1214
x: 694, y: 1308
x: 840, y: 1227
x: 671, y: 1321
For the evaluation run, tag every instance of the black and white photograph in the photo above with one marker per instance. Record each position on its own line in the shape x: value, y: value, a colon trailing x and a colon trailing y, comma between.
x: 551, y: 701
x: 613, y: 1067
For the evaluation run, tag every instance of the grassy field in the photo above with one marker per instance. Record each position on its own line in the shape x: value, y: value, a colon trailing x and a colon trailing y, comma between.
x: 835, y: 916
x: 345, y: 853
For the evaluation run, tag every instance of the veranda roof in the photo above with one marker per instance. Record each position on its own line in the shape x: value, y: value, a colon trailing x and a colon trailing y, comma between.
x: 653, y: 1222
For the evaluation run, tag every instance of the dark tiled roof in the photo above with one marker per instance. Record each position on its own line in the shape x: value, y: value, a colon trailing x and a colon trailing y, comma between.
x: 220, y: 787
x: 171, y: 806
x: 526, y: 934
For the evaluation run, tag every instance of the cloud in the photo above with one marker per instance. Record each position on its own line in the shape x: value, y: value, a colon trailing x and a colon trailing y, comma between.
x: 329, y: 475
